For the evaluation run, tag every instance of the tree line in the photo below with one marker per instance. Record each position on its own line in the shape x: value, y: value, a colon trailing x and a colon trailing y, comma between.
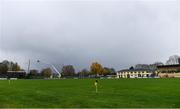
x: 68, y: 71
x: 9, y: 66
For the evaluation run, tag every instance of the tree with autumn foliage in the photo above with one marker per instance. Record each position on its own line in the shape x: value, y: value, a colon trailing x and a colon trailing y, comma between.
x: 97, y: 68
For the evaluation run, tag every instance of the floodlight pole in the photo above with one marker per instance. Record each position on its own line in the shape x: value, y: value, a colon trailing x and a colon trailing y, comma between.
x: 29, y: 63
x: 59, y: 74
x: 52, y: 66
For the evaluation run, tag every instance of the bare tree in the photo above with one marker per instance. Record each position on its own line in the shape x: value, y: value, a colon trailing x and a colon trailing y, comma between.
x: 173, y: 60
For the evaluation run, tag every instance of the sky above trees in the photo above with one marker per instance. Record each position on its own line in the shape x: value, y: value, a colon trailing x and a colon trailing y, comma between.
x: 116, y: 33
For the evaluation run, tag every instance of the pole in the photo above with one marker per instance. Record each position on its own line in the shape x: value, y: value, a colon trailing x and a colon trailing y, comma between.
x: 29, y: 66
x: 59, y: 75
x: 9, y: 81
x: 96, y: 85
x: 96, y: 89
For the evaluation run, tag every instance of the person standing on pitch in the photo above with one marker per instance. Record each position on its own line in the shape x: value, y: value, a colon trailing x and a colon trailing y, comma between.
x: 96, y: 85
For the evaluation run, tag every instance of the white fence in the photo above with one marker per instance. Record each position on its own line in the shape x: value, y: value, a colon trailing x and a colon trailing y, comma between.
x: 7, y: 79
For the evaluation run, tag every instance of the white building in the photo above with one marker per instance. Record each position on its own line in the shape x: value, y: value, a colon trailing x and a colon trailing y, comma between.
x: 134, y: 73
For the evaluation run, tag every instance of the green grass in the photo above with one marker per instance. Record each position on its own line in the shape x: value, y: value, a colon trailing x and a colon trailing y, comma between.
x: 78, y: 93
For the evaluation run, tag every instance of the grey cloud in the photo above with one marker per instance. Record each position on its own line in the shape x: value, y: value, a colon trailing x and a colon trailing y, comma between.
x: 116, y: 33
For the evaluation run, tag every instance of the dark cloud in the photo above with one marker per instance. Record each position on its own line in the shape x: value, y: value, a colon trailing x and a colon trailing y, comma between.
x: 116, y: 33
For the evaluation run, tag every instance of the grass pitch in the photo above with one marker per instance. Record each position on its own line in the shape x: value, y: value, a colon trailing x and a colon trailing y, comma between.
x: 80, y: 93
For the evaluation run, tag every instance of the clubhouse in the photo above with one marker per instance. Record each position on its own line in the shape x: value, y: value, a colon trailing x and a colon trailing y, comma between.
x: 134, y: 73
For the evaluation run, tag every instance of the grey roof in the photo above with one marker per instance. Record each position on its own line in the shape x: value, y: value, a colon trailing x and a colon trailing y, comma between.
x: 169, y: 66
x: 135, y: 70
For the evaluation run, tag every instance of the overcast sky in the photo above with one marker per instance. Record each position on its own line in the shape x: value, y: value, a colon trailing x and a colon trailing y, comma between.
x: 115, y: 33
